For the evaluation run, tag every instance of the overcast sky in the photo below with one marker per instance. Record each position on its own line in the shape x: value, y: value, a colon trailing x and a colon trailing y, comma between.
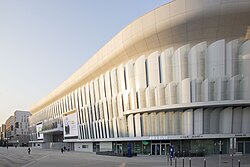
x: 43, y: 42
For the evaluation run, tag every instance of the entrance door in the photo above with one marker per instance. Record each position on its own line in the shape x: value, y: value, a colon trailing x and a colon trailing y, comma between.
x: 247, y: 147
x: 163, y: 149
x: 153, y: 149
x: 158, y: 149
x: 240, y: 147
x: 96, y: 147
x: 119, y: 148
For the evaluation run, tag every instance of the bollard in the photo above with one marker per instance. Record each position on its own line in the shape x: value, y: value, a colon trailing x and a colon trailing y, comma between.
x: 205, y: 163
x: 239, y: 163
x: 183, y: 162
x: 232, y: 160
x: 190, y: 162
x: 175, y: 162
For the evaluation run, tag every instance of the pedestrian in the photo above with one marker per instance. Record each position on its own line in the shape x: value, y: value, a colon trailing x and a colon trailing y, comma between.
x: 62, y: 150
x: 29, y: 150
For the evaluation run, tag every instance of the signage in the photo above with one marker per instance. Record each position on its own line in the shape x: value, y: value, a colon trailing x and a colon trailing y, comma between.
x: 39, y: 130
x: 70, y: 124
x: 158, y: 137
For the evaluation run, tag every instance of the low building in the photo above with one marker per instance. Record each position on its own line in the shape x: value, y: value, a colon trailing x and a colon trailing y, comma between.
x: 21, y: 129
x: 10, y: 130
x: 2, y: 135
x: 17, y: 128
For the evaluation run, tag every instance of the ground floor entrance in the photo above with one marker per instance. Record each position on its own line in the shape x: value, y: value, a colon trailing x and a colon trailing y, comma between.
x: 118, y: 148
x: 70, y: 146
x: 159, y: 148
x: 243, y: 146
x: 184, y: 147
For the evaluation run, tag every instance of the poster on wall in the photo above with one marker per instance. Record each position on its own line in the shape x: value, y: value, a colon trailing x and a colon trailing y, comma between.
x: 39, y: 130
x: 70, y: 124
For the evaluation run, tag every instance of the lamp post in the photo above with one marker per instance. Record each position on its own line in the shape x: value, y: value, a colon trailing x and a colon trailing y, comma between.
x: 220, y: 143
x: 220, y: 153
x: 232, y: 148
x: 17, y: 141
x: 7, y: 143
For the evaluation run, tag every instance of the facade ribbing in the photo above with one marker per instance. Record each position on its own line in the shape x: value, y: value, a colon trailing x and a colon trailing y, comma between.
x: 177, y: 83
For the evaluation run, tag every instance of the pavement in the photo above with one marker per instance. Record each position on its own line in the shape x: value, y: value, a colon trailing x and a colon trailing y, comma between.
x: 19, y: 157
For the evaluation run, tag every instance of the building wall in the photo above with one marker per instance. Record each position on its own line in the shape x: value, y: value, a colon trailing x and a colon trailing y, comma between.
x: 85, y: 147
x: 21, y: 122
x: 3, y: 132
x: 17, y: 128
x: 171, y: 25
x: 105, y: 146
x: 9, y: 127
x: 187, y: 54
x: 105, y: 117
x: 37, y: 145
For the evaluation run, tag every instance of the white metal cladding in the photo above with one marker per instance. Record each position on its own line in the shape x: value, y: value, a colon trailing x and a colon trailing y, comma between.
x: 175, y: 55
x: 103, y: 103
x: 170, y: 25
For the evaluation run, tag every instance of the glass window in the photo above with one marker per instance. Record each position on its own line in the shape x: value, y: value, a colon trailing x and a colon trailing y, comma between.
x: 240, y: 147
x: 84, y: 146
x: 247, y: 147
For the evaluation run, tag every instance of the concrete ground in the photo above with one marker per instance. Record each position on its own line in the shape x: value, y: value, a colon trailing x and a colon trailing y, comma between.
x: 18, y: 157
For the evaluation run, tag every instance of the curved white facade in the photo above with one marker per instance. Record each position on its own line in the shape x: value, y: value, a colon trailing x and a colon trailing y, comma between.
x: 177, y: 81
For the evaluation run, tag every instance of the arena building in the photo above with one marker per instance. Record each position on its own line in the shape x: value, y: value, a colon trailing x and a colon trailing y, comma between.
x: 179, y: 74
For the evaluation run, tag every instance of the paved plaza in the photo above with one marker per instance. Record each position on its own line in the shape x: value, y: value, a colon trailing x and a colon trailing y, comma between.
x: 18, y: 157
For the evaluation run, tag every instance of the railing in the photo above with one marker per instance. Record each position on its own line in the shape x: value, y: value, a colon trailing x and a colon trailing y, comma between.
x: 188, y: 162
x: 112, y: 153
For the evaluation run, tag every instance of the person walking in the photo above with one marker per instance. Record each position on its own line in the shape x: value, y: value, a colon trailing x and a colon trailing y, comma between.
x: 29, y: 150
x: 62, y: 150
